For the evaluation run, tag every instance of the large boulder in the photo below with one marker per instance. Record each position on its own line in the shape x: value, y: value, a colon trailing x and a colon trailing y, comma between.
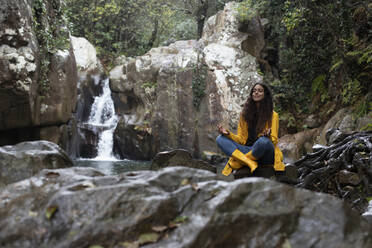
x: 133, y: 142
x: 180, y: 92
x: 37, y: 86
x: 294, y: 146
x: 26, y: 159
x: 173, y: 207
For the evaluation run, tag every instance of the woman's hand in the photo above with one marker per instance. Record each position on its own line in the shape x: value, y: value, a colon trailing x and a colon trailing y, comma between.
x: 222, y: 130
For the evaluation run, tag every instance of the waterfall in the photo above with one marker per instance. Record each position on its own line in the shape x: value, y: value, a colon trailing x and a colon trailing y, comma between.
x: 103, y: 118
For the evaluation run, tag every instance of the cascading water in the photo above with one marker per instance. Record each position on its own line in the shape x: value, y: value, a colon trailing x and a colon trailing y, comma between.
x: 102, y: 116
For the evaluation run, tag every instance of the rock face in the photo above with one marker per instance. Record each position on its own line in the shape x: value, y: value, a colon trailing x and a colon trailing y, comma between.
x: 83, y: 139
x: 179, y: 93
x: 176, y: 207
x: 294, y: 146
x: 179, y: 157
x: 37, y: 87
x: 345, y: 120
x: 343, y: 123
x: 133, y: 142
x: 26, y: 159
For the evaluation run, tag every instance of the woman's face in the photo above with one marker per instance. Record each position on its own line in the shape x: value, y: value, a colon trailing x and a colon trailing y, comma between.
x: 258, y: 93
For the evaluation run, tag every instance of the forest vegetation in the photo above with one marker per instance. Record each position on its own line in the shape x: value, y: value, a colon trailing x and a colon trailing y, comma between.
x: 317, y: 56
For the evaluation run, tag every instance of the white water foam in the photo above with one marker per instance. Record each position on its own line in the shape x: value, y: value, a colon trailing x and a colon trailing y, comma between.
x: 103, y: 115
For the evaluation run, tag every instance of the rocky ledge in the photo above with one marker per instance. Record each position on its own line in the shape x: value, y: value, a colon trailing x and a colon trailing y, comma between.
x: 171, y: 207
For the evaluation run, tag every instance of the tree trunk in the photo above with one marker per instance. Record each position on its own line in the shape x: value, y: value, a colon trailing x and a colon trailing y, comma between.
x: 201, y: 14
x: 154, y: 34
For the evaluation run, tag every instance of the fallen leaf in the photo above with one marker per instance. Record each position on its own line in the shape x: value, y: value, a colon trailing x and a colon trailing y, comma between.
x: 148, y: 238
x: 173, y: 225
x: 185, y: 182
x: 81, y: 186
x: 130, y: 244
x: 215, y: 192
x: 32, y: 213
x: 52, y: 174
x: 181, y: 219
x: 50, y: 211
x: 159, y: 228
x: 195, y: 186
x: 286, y: 244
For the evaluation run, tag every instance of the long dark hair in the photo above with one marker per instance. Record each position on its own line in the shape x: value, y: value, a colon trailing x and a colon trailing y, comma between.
x: 263, y: 113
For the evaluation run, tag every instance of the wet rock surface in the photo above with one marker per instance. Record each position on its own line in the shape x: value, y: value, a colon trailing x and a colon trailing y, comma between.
x: 172, y: 207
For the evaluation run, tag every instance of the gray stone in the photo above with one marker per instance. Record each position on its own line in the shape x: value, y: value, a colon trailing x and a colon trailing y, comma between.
x: 133, y: 142
x: 294, y: 146
x: 26, y: 105
x: 312, y: 121
x: 78, y: 207
x: 179, y: 157
x: 26, y: 159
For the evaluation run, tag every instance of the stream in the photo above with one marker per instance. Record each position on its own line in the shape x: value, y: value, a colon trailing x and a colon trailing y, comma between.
x: 113, y: 167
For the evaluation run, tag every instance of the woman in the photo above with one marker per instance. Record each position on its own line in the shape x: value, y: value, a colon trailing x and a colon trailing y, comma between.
x: 255, y: 144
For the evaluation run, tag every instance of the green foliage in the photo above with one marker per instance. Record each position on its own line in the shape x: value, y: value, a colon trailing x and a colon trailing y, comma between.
x: 351, y: 89
x: 248, y: 9
x: 150, y: 85
x: 147, y: 238
x: 285, y: 97
x: 181, y: 219
x: 199, y: 85
x: 315, y: 46
x: 368, y: 127
x: 336, y: 65
x: 44, y: 38
x: 293, y: 16
x: 51, y: 35
x: 115, y: 27
x: 289, y: 119
x: 318, y: 87
x: 132, y: 27
x: 50, y: 211
x: 364, y: 106
x: 364, y: 56
x: 185, y: 30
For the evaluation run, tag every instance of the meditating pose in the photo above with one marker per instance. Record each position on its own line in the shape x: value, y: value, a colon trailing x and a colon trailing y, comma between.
x: 255, y: 144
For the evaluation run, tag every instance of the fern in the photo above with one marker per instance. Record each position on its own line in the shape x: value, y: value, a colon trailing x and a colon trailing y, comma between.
x: 318, y: 87
x: 336, y: 65
x: 350, y: 90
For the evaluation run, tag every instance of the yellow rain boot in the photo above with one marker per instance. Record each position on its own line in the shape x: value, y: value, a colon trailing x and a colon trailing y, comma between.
x: 232, y: 164
x: 248, y: 159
